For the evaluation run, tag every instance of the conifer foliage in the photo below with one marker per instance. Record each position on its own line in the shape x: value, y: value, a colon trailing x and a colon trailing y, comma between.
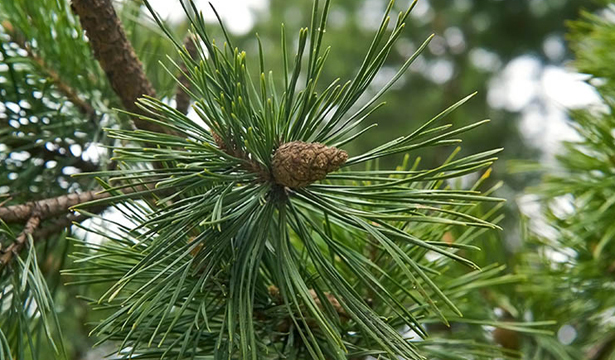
x: 573, y: 262
x: 253, y: 234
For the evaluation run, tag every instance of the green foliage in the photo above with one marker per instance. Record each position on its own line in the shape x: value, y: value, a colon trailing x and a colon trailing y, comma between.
x: 151, y: 45
x: 48, y: 72
x: 39, y: 124
x: 27, y: 307
x: 217, y: 260
x: 223, y: 262
x: 475, y: 40
x: 573, y: 262
x: 47, y: 76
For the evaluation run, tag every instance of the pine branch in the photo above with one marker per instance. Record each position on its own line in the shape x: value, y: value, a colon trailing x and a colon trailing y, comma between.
x: 76, y: 161
x: 38, y: 211
x: 260, y: 207
x: 116, y: 55
x: 62, y: 223
x: 72, y: 96
x: 18, y: 144
x: 83, y: 106
x: 125, y: 73
x: 274, y: 291
x: 602, y: 350
x: 20, y: 242
x: 48, y: 208
x: 32, y: 229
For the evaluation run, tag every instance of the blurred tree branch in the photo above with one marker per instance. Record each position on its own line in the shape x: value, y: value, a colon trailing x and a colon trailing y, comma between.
x: 83, y: 106
x: 40, y: 151
x: 125, y: 73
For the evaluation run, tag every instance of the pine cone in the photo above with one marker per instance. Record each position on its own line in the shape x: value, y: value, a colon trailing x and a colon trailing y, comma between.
x: 297, y: 164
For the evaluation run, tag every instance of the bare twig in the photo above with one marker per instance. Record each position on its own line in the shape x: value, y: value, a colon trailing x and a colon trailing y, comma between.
x: 125, y: 73
x: 32, y: 229
x: 48, y: 208
x: 55, y: 226
x: 37, y: 211
x: 21, y: 240
x: 52, y: 227
x: 249, y: 164
x: 53, y: 207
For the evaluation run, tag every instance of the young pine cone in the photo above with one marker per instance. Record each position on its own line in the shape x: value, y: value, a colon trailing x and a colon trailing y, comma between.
x: 297, y: 164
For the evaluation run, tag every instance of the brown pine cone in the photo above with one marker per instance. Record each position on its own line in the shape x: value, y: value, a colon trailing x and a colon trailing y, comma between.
x: 298, y: 164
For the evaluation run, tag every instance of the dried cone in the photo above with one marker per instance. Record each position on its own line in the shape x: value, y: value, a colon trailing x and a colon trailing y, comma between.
x: 297, y: 164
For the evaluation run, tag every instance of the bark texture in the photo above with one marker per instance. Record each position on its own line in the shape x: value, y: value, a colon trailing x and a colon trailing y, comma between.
x: 20, y: 242
x: 48, y: 208
x: 115, y: 55
x: 249, y: 164
x: 125, y: 73
x: 181, y: 98
x: 298, y: 164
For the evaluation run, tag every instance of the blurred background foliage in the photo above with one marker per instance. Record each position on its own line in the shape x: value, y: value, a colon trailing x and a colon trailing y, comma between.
x: 476, y: 42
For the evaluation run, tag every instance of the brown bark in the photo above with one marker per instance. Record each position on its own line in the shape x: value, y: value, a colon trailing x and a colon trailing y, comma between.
x: 125, y: 73
x: 21, y: 240
x: 116, y: 55
x: 62, y: 223
x: 36, y: 212
x: 235, y: 151
x: 32, y: 229
x: 61, y: 205
x: 48, y: 208
x: 182, y: 99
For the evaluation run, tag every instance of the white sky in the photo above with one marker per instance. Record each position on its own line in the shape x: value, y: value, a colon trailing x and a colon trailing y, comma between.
x: 542, y: 94
x: 238, y: 15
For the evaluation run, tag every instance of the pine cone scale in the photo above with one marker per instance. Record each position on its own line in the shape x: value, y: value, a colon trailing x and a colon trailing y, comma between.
x: 298, y: 164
